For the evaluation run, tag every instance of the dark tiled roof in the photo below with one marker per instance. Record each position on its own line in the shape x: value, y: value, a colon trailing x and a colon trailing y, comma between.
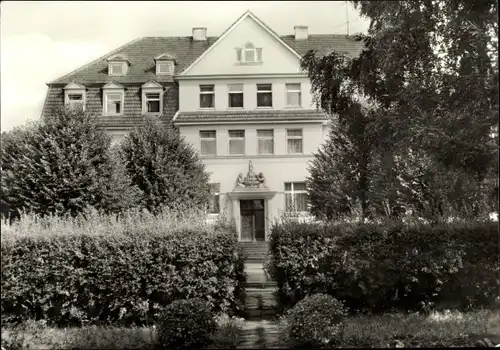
x: 256, y: 115
x: 126, y: 121
x: 141, y: 54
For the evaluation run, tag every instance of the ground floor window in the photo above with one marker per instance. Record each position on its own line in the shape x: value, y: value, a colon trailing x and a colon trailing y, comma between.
x: 295, y: 196
x: 214, y: 203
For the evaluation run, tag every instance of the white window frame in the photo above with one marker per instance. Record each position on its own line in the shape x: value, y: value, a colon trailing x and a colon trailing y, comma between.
x: 113, y: 64
x: 151, y: 90
x: 239, y: 138
x: 301, y: 137
x: 207, y: 93
x: 264, y: 92
x: 216, y: 194
x: 241, y: 52
x: 265, y: 138
x: 289, y: 89
x: 169, y: 64
x: 208, y: 139
x: 229, y: 92
x: 74, y: 89
x: 292, y: 192
x: 122, y: 102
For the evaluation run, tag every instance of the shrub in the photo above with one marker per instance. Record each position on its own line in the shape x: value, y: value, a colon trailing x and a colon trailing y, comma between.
x: 165, y: 168
x: 186, y: 323
x: 316, y: 321
x: 228, y: 334
x: 120, y: 270
x: 60, y: 164
x: 379, y: 267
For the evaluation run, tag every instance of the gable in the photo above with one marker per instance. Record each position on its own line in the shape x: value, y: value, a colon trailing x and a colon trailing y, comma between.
x: 151, y: 85
x: 221, y: 58
x: 112, y: 85
x: 74, y: 86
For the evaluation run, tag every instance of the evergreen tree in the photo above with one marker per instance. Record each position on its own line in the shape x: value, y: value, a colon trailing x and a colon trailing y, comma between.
x: 165, y: 168
x: 63, y: 163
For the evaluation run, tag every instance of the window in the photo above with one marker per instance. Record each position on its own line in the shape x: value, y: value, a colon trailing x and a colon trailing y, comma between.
x: 214, y: 202
x: 113, y: 103
x: 236, y: 141
x: 152, y: 103
x: 207, y: 96
x: 235, y: 96
x: 295, y: 196
x: 208, y: 143
x: 293, y: 95
x: 75, y: 100
x: 117, y: 68
x: 249, y: 54
x: 294, y: 140
x: 164, y: 68
x: 265, y: 141
x: 264, y: 95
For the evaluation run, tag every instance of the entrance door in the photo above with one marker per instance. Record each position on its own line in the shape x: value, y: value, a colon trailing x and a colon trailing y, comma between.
x: 252, y: 220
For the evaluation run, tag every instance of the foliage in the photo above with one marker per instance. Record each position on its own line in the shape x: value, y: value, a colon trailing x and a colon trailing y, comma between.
x: 228, y: 334
x: 165, y: 167
x: 186, y: 323
x: 123, y: 269
x: 62, y: 164
x: 380, y: 267
x: 316, y: 321
x: 402, y: 138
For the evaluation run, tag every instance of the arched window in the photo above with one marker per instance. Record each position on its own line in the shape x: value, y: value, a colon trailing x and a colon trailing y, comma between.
x: 249, y: 53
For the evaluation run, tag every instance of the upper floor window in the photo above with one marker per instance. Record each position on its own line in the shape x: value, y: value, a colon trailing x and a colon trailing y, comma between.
x: 152, y: 103
x: 249, y: 54
x: 236, y: 142
x: 208, y: 143
x: 294, y: 141
x: 74, y: 95
x: 295, y: 196
x: 117, y: 65
x: 264, y: 95
x: 117, y: 68
x: 235, y: 95
x: 207, y: 96
x: 165, y: 64
x: 152, y: 98
x: 113, y: 96
x: 265, y: 141
x: 293, y: 95
x: 214, y: 202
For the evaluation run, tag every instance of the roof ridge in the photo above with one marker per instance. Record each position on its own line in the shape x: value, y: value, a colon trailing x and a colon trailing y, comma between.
x: 97, y: 60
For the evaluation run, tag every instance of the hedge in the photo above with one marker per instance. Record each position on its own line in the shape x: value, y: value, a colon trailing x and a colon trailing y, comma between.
x: 118, y: 279
x: 380, y: 267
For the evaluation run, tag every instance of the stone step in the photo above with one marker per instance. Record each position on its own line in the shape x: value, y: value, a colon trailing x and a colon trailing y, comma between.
x: 260, y: 285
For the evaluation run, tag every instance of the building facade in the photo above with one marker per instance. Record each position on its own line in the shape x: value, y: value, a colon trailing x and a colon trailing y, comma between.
x: 240, y: 100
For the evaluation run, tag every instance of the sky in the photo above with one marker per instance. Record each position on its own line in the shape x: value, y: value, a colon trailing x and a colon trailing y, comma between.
x: 44, y: 40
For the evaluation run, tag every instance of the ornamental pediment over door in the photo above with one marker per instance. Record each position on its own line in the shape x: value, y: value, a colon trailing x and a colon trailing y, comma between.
x: 251, y: 185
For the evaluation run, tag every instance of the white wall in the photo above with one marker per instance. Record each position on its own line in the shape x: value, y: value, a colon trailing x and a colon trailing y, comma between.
x: 189, y: 93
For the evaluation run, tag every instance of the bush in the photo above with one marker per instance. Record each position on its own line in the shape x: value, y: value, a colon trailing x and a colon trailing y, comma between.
x: 379, y: 267
x: 165, y: 168
x: 316, y: 321
x: 120, y: 270
x: 60, y: 164
x: 186, y: 323
x: 228, y: 334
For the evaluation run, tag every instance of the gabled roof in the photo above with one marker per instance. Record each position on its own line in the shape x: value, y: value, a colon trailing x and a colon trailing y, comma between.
x: 165, y: 57
x: 113, y: 85
x: 248, y: 13
x: 118, y: 58
x: 74, y: 85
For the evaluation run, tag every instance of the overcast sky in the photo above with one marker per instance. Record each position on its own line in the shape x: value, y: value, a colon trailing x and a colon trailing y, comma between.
x: 43, y: 40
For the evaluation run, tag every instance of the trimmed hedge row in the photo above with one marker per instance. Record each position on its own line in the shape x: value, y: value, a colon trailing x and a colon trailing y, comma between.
x: 380, y: 267
x: 119, y: 279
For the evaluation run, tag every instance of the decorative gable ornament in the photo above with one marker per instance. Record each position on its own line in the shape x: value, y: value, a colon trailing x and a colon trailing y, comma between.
x: 165, y: 64
x: 251, y: 179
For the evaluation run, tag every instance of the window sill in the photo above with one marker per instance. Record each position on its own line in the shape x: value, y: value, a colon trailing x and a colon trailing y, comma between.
x: 295, y: 154
x: 264, y: 107
x: 249, y: 63
x: 235, y: 108
x: 113, y: 115
x: 293, y: 107
x: 206, y: 109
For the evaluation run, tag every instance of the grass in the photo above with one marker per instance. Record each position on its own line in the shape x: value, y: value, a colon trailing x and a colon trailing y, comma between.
x: 438, y: 329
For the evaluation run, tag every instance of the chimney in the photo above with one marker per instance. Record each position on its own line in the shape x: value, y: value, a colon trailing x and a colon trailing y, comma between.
x: 300, y: 32
x: 199, y: 34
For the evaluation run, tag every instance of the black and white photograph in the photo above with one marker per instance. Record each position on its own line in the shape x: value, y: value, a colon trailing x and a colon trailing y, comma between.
x: 249, y: 174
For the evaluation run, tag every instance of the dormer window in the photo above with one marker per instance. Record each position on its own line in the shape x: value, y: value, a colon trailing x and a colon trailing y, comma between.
x: 117, y: 65
x: 165, y: 64
x: 74, y: 95
x: 113, y: 98
x: 152, y: 98
x: 249, y: 54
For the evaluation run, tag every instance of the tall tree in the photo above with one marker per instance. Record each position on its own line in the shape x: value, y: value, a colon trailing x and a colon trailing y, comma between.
x: 429, y: 70
x: 165, y: 168
x: 62, y: 164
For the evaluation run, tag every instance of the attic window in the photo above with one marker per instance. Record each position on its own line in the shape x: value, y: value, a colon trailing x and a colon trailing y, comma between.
x: 74, y: 95
x: 164, y: 67
x: 249, y: 54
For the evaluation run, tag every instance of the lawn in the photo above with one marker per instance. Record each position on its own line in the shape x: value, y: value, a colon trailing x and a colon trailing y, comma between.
x: 439, y: 329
